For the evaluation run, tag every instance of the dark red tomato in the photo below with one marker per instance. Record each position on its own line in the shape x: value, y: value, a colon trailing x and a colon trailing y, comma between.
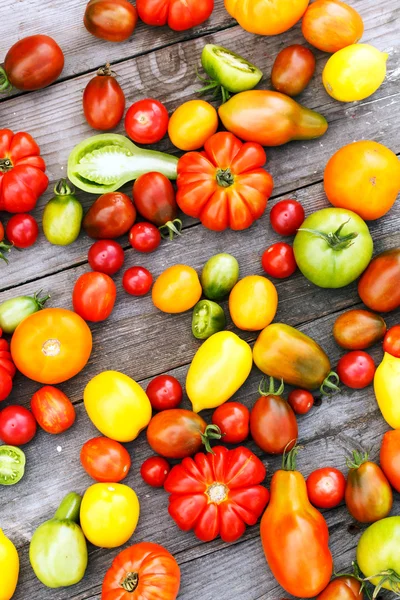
x: 93, y: 296
x: 103, y: 100
x: 17, y: 425
x: 342, y: 588
x: 105, y: 460
x: 278, y: 260
x: 154, y: 471
x: 391, y: 341
x: 233, y: 419
x: 137, y: 281
x: 326, y: 487
x: 390, y: 457
x: 106, y: 256
x: 178, y: 14
x: 154, y: 198
x: 52, y: 409
x: 112, y: 20
x: 286, y: 217
x: 144, y: 237
x: 110, y: 216
x: 164, y: 392
x: 5, y: 383
x: 33, y: 62
x: 356, y: 369
x: 301, y: 401
x: 22, y: 230
x: 293, y: 69
x: 146, y: 121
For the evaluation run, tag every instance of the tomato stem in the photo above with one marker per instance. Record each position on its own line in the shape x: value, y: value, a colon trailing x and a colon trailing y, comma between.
x: 40, y: 301
x: 5, y: 248
x: 389, y: 576
x: 225, y: 178
x: 334, y: 239
x: 130, y: 581
x: 106, y: 71
x: 5, y: 165
x: 330, y: 387
x: 171, y: 229
x: 359, y: 458
x: 263, y: 390
x: 289, y: 458
x: 211, y: 432
x: 63, y: 188
x: 5, y: 85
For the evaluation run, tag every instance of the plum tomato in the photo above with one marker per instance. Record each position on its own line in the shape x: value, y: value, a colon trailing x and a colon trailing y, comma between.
x: 301, y: 401
x: 105, y: 460
x: 103, y: 100
x: 356, y: 369
x: 164, y: 392
x: 391, y: 341
x: 106, y: 256
x: 17, y: 425
x: 52, y: 409
x: 233, y: 419
x: 111, y: 20
x: 278, y: 260
x: 293, y: 69
x: 93, y: 296
x: 154, y: 471
x: 144, y: 237
x: 137, y: 281
x: 146, y: 121
x: 326, y: 487
x: 286, y: 217
x: 22, y: 230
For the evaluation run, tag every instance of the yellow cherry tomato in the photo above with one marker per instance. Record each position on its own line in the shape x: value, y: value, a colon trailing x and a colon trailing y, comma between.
x: 117, y: 405
x: 9, y: 567
x: 177, y: 289
x: 387, y: 389
x: 192, y: 124
x: 219, y: 368
x: 253, y: 303
x: 109, y: 514
x: 355, y: 72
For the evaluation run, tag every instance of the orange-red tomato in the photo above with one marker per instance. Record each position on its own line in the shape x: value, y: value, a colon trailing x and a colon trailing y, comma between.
x: 293, y: 69
x: 105, y: 460
x: 52, y: 409
x: 94, y: 296
x: 342, y: 588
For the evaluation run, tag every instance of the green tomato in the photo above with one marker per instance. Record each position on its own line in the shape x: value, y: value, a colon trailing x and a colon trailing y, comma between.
x: 378, y: 553
x: 62, y: 216
x: 12, y: 465
x: 333, y: 247
x: 15, y: 310
x: 219, y: 275
x: 208, y: 318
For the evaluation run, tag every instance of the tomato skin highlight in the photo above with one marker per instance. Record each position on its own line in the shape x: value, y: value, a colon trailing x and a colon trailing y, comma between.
x: 103, y: 101
x: 233, y: 419
x: 137, y: 281
x: 293, y: 69
x: 22, y: 230
x: 278, y: 260
x: 390, y: 457
x: 17, y: 425
x: 110, y: 216
x: 154, y: 471
x: 326, y: 487
x: 356, y: 369
x: 164, y: 392
x: 112, y: 20
x: 52, y: 409
x: 106, y: 256
x: 94, y: 295
x: 146, y: 121
x: 105, y: 460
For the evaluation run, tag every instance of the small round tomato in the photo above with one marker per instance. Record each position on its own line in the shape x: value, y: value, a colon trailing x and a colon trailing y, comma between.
x: 278, y: 260
x: 391, y: 341
x: 192, y: 124
x: 286, y: 217
x: 93, y: 297
x: 17, y: 425
x: 103, y: 100
x: 146, y: 121
x: 301, y: 401
x: 52, y: 409
x: 356, y: 369
x: 105, y: 460
x: 106, y: 256
x: 144, y: 237
x: 22, y: 230
x: 253, y: 302
x: 345, y: 587
x: 233, y: 419
x: 112, y: 20
x: 137, y: 281
x: 164, y: 392
x: 326, y: 487
x: 154, y: 471
x: 177, y: 289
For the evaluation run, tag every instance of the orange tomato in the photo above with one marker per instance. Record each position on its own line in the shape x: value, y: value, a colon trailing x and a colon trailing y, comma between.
x: 51, y: 345
x: 177, y: 289
x: 363, y: 177
x: 192, y: 124
x: 266, y: 17
x: 253, y: 303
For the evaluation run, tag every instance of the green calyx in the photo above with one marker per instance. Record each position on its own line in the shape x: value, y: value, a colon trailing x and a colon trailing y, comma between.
x: 358, y: 459
x: 387, y: 577
x: 40, y: 302
x: 211, y: 432
x: 289, y: 459
x: 335, y: 240
x: 5, y: 165
x: 5, y: 85
x: 330, y: 384
x: 213, y: 84
x: 130, y: 582
x: 225, y: 177
x: 4, y: 248
x: 62, y: 188
x: 171, y: 229
x: 268, y: 388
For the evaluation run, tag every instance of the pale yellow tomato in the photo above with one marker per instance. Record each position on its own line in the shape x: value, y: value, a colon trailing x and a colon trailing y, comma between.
x: 9, y: 567
x: 177, y: 289
x: 253, y: 303
x: 192, y: 124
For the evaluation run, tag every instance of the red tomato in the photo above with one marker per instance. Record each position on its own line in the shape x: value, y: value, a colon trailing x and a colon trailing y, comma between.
x: 5, y: 383
x: 391, y: 341
x: 146, y: 121
x: 164, y: 392
x: 105, y: 460
x: 112, y: 20
x: 137, y: 281
x: 110, y: 216
x: 179, y: 14
x: 233, y: 419
x: 390, y: 457
x: 356, y: 369
x: 52, y: 409
x: 286, y: 217
x: 103, y: 100
x: 154, y: 198
x: 154, y: 471
x: 278, y: 260
x: 106, y: 256
x: 301, y: 401
x: 93, y: 297
x: 326, y: 487
x: 342, y: 588
x: 4, y: 345
x: 144, y: 237
x: 22, y: 230
x: 1, y: 232
x: 17, y: 425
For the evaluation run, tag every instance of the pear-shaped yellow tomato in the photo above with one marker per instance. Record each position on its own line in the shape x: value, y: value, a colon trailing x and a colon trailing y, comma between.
x: 266, y: 17
x: 117, y: 405
x: 177, y: 289
x: 219, y: 368
x: 192, y: 124
x: 9, y: 567
x: 387, y: 389
x: 253, y: 303
x: 109, y: 514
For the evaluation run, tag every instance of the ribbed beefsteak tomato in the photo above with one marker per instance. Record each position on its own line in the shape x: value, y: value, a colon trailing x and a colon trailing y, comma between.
x: 178, y: 14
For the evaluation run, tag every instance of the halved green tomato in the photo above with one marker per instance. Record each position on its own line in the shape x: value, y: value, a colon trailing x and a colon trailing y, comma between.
x: 12, y: 465
x: 208, y: 318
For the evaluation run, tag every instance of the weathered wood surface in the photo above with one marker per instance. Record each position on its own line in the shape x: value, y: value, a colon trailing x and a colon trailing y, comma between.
x: 142, y: 342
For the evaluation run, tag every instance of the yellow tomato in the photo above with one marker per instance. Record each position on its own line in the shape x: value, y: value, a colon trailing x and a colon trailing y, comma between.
x: 266, y: 17
x: 219, y: 368
x: 9, y: 567
x: 192, y: 124
x: 354, y: 73
x: 177, y: 289
x: 117, y: 405
x: 109, y: 514
x: 253, y: 303
x: 387, y: 389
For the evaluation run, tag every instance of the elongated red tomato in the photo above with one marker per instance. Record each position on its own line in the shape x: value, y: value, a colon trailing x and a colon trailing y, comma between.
x: 52, y: 409
x: 103, y: 100
x: 94, y: 296
x: 105, y: 460
x: 178, y: 14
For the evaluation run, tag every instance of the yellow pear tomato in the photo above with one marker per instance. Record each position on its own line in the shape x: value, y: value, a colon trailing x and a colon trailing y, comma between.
x: 192, y: 124
x: 253, y: 303
x: 117, y: 406
x: 387, y: 389
x: 266, y: 17
x: 9, y: 567
x: 177, y: 289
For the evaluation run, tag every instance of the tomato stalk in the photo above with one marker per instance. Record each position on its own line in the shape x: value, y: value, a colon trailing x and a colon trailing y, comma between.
x: 358, y: 459
x: 225, y: 177
x: 5, y: 248
x: 62, y: 188
x: 211, y: 432
x: 389, y: 576
x: 289, y: 458
x: 5, y: 163
x: 270, y: 391
x: 334, y: 239
x: 170, y: 229
x: 5, y: 85
x: 130, y: 581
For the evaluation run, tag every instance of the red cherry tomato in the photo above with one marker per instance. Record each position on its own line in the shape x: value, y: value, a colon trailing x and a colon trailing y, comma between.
x: 301, y: 401
x: 103, y: 100
x: 17, y: 425
x: 105, y: 460
x: 154, y: 471
x: 391, y: 341
x: 144, y: 237
x: 326, y: 487
x: 286, y: 217
x: 356, y: 369
x: 106, y: 256
x: 5, y: 383
x: 22, y: 230
x: 137, y: 281
x: 146, y: 121
x: 233, y: 419
x: 164, y: 392
x: 278, y: 260
x: 52, y: 409
x: 93, y: 297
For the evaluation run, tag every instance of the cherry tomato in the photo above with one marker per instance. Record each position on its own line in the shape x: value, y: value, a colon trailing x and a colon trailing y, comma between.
x: 17, y: 425
x: 93, y: 297
x: 137, y: 281
x: 106, y: 256
x: 278, y: 260
x: 105, y: 460
x: 301, y: 401
x: 52, y: 409
x: 144, y: 237
x: 326, y: 487
x: 233, y: 419
x: 5, y: 383
x: 112, y: 20
x: 22, y: 230
x: 164, y: 392
x: 391, y: 341
x: 191, y: 124
x: 103, y: 100
x: 286, y: 217
x: 154, y: 471
x: 146, y: 121
x: 356, y: 369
